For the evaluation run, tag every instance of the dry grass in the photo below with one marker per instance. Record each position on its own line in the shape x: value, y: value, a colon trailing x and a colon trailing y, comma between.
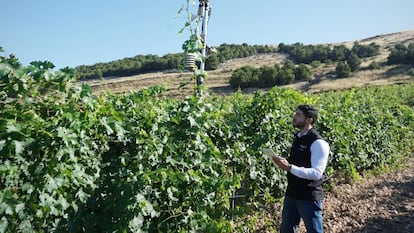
x: 217, y: 81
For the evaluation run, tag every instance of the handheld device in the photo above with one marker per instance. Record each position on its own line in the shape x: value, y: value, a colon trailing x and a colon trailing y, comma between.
x: 270, y: 154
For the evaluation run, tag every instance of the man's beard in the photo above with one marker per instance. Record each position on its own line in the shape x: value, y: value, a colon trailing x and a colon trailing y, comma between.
x: 299, y: 125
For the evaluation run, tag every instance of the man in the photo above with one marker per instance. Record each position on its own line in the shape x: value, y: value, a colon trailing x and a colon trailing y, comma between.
x: 305, y: 172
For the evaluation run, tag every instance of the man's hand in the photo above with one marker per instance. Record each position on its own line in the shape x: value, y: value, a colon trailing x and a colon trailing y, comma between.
x: 282, y: 163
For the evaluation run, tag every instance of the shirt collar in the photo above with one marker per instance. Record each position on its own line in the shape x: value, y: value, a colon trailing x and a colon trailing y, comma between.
x: 300, y: 134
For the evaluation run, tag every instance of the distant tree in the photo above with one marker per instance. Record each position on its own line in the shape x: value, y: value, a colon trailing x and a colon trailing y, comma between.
x: 173, y: 60
x: 303, y: 72
x: 287, y: 73
x: 339, y: 53
x: 401, y: 54
x: 306, y: 53
x: 286, y: 76
x: 354, y: 62
x: 373, y: 65
x: 397, y: 55
x: 267, y: 76
x: 365, y: 50
x: 320, y: 53
x: 98, y: 74
x: 212, y: 62
x: 289, y: 65
x: 315, y: 64
x: 152, y: 63
x: 410, y: 53
x: 243, y: 77
x: 265, y: 49
x: 342, y: 70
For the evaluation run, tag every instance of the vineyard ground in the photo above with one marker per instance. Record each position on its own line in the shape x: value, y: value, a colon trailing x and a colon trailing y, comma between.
x: 381, y: 203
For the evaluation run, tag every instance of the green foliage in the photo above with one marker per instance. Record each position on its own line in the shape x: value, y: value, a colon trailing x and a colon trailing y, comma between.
x: 401, y: 54
x: 130, y: 66
x: 266, y: 76
x: 315, y: 64
x: 339, y: 53
x: 230, y: 51
x: 342, y: 70
x: 363, y: 51
x: 212, y: 62
x: 152, y: 63
x: 245, y: 76
x: 308, y: 53
x: 305, y: 53
x: 354, y: 62
x: 72, y: 161
x: 287, y: 73
x: 75, y: 162
x: 303, y: 72
x: 365, y: 126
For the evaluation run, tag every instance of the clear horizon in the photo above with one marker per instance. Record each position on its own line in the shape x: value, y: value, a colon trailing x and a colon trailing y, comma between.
x: 74, y: 33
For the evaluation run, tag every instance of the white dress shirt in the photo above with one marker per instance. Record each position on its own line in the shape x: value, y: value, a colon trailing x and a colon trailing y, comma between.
x: 319, y: 159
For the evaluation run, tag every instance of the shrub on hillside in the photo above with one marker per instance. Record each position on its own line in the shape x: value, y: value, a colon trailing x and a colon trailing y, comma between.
x: 342, y: 70
x: 354, y: 62
x: 243, y: 77
x: 373, y: 66
x: 401, y: 54
x: 303, y: 73
x: 267, y: 76
x: 365, y: 50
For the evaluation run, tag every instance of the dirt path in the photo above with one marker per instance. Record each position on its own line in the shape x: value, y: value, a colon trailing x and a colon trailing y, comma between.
x: 380, y: 204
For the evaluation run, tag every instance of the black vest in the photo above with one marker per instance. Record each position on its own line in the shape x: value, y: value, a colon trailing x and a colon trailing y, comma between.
x: 300, y: 155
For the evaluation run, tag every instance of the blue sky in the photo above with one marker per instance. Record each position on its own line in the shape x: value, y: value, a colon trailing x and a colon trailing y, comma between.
x: 84, y: 32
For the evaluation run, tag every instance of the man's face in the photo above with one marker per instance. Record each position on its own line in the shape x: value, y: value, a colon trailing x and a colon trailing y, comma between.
x: 299, y: 119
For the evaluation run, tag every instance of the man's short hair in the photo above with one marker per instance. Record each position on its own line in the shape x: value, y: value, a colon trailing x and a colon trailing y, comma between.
x: 309, y: 112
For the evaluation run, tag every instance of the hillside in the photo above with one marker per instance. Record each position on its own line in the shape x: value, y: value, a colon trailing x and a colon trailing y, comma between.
x: 217, y: 80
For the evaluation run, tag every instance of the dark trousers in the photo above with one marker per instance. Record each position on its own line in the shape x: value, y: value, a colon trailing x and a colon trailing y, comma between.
x: 309, y: 211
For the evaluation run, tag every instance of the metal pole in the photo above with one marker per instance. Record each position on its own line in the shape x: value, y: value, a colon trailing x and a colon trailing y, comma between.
x: 204, y: 12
